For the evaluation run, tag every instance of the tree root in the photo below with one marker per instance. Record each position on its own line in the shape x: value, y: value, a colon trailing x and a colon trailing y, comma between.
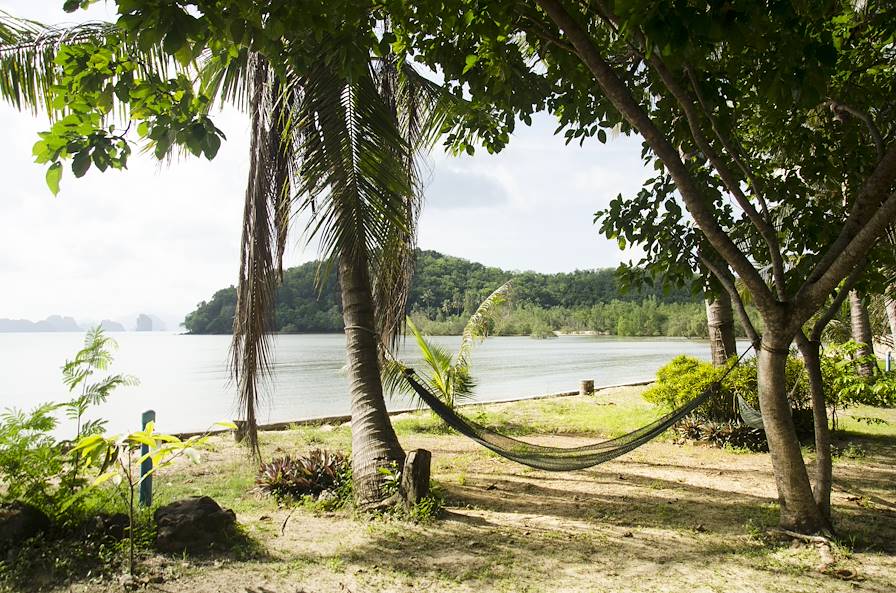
x: 824, y: 544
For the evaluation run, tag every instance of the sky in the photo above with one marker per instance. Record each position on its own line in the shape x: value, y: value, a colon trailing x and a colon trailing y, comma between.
x: 160, y: 238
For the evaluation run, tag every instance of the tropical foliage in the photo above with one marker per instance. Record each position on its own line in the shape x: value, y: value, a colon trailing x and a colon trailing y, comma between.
x: 449, y: 376
x: 35, y: 466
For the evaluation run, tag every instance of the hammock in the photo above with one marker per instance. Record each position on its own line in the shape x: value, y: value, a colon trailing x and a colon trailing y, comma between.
x: 750, y: 415
x: 558, y: 458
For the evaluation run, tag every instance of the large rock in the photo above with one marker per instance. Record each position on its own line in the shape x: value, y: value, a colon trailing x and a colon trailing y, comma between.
x: 19, y: 522
x: 193, y: 525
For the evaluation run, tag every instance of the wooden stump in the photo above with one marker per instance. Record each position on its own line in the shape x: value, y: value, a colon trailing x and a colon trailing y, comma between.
x: 586, y: 387
x: 415, y: 476
x: 241, y: 430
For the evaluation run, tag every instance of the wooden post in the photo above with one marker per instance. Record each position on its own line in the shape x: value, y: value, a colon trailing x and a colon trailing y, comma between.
x: 241, y: 428
x: 415, y: 476
x: 586, y: 387
x: 146, y: 466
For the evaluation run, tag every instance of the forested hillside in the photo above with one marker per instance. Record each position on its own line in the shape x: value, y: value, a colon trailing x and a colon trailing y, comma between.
x: 446, y: 290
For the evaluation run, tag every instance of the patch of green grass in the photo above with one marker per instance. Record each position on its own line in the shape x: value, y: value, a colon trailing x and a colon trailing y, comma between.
x: 609, y: 414
x: 849, y: 422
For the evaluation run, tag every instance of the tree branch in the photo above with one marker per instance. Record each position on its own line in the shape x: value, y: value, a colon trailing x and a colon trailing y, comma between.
x: 695, y: 200
x: 838, y: 107
x: 856, y: 237
x: 822, y: 322
x: 731, y: 182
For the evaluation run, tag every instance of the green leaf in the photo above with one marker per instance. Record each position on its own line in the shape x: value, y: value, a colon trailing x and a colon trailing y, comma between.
x: 471, y: 61
x: 212, y: 144
x: 81, y: 163
x: 230, y: 425
x: 104, y: 478
x: 54, y: 174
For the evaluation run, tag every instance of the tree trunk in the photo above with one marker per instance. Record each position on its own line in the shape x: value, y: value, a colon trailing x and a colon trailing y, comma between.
x: 811, y: 352
x: 798, y: 509
x: 720, y: 322
x: 374, y: 444
x: 890, y: 305
x: 861, y: 329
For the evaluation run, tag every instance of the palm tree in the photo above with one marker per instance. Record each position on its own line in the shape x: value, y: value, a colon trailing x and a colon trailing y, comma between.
x: 448, y: 376
x: 339, y: 152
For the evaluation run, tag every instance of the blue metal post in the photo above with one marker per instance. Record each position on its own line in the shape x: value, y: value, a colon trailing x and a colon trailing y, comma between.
x: 889, y: 359
x: 146, y: 466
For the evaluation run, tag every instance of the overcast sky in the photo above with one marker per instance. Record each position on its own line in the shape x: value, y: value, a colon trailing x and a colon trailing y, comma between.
x: 159, y: 238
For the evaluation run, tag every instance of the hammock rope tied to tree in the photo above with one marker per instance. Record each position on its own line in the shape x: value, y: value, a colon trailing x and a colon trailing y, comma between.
x: 559, y: 458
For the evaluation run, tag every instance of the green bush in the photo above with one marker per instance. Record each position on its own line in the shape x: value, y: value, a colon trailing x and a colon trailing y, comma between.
x: 34, y: 466
x: 30, y: 458
x: 686, y: 377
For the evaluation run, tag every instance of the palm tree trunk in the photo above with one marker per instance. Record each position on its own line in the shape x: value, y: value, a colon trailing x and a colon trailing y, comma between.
x: 720, y: 322
x: 861, y: 329
x: 811, y: 352
x: 374, y: 444
x: 799, y: 510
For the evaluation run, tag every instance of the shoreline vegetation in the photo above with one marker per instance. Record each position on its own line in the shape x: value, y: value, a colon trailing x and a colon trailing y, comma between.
x: 446, y: 290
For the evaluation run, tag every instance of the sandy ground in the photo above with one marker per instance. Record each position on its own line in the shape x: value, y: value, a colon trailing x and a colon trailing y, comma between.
x: 665, y: 518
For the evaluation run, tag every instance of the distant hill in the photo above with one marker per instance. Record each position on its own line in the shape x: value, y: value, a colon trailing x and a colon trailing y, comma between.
x: 53, y: 323
x: 444, y: 288
x: 111, y: 326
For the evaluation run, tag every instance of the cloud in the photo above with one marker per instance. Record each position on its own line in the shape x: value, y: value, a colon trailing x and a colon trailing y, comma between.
x: 452, y: 189
x: 159, y: 239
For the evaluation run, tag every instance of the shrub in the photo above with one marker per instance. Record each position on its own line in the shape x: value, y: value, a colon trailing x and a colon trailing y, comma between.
x: 686, y: 377
x: 311, y: 475
x: 34, y: 466
x: 30, y: 458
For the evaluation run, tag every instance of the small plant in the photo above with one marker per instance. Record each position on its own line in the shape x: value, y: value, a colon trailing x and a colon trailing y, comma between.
x: 118, y: 460
x: 447, y: 376
x: 720, y: 434
x: 429, y: 507
x: 96, y: 355
x: 318, y: 472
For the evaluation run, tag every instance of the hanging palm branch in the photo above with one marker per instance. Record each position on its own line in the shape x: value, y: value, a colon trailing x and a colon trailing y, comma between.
x: 343, y: 154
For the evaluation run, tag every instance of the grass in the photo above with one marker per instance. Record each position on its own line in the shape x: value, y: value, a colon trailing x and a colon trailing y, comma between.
x: 663, y: 518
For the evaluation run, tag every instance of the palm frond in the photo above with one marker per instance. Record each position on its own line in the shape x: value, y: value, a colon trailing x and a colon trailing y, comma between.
x: 420, y: 108
x: 480, y: 322
x: 264, y: 229
x: 227, y: 78
x: 28, y: 51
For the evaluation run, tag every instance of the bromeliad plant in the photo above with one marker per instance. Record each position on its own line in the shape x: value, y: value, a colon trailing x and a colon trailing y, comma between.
x: 311, y: 475
x: 445, y: 375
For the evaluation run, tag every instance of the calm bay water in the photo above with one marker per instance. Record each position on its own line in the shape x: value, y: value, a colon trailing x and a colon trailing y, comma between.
x: 185, y: 378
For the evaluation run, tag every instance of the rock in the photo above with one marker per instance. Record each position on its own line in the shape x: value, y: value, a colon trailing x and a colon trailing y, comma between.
x: 20, y: 521
x: 110, y: 525
x: 193, y: 524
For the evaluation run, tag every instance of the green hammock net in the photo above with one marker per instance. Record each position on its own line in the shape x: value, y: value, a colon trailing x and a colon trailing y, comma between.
x: 750, y: 415
x: 554, y: 458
